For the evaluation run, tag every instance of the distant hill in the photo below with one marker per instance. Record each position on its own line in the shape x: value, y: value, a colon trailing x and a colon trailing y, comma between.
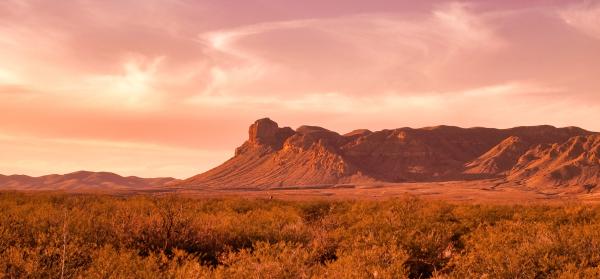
x: 538, y: 156
x: 82, y: 181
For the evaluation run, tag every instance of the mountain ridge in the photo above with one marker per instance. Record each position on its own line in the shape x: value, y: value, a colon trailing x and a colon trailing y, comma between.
x: 276, y: 156
x: 82, y: 181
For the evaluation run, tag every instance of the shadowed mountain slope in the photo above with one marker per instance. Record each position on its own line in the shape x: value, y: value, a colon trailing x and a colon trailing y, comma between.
x: 575, y: 162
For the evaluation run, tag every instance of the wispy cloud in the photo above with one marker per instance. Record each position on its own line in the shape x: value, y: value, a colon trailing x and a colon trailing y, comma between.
x: 414, y: 47
x: 584, y: 17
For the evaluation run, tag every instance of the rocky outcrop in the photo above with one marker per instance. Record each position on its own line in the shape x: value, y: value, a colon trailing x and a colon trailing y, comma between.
x: 265, y: 136
x: 309, y: 155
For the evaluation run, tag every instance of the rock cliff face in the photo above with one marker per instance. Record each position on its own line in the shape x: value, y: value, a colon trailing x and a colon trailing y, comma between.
x: 313, y: 156
x: 265, y: 135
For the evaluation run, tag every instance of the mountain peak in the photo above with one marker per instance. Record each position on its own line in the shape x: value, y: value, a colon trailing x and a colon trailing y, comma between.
x: 265, y: 135
x: 262, y: 131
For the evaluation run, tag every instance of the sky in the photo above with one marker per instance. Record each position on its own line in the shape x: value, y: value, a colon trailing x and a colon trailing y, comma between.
x: 169, y: 87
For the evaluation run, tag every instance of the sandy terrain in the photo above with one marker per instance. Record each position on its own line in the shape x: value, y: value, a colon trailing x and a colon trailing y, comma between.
x: 494, y: 191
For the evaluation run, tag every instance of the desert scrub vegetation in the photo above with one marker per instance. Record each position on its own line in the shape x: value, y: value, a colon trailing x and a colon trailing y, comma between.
x: 101, y: 236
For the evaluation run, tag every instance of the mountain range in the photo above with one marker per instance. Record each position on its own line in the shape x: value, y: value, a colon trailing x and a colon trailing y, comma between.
x: 83, y: 181
x: 534, y: 156
x: 539, y: 157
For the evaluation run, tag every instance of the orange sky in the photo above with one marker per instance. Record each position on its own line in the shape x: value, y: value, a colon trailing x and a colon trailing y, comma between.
x: 169, y: 87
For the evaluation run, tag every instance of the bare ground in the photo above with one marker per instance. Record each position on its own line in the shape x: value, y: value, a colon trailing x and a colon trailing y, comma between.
x: 480, y: 191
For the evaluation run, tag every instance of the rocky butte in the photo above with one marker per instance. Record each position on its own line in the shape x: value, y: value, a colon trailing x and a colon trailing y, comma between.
x: 537, y: 156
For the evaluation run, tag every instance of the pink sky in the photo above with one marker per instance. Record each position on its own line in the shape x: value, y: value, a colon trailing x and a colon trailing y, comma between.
x: 169, y: 87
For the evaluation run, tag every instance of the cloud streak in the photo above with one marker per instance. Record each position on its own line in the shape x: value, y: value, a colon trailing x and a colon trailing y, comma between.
x: 584, y: 17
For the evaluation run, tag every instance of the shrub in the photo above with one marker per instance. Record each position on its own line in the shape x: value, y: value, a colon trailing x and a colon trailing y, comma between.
x: 97, y: 236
